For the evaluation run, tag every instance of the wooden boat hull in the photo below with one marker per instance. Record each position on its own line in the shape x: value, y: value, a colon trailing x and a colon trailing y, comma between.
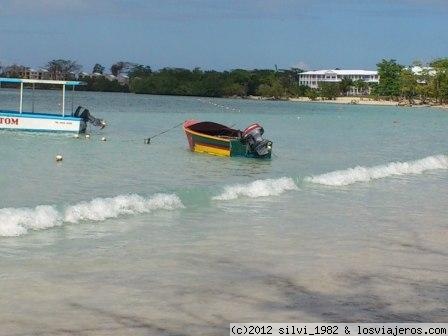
x: 40, y: 122
x: 228, y: 146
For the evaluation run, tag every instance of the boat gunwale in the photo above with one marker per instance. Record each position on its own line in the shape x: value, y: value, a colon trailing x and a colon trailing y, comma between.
x: 37, y: 115
x: 187, y: 130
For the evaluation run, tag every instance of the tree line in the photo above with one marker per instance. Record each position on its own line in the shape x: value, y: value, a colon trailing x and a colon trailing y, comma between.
x: 397, y: 82
x: 429, y: 84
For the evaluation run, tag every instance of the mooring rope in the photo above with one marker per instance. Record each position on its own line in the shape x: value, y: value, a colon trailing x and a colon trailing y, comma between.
x: 148, y: 140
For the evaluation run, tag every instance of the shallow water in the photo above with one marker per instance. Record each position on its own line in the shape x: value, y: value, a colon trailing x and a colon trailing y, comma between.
x: 127, y: 238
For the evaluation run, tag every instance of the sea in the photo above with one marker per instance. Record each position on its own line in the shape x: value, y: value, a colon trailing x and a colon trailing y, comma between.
x: 347, y: 222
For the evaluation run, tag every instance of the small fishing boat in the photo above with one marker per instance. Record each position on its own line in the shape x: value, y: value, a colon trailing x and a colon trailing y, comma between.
x: 216, y: 139
x: 75, y: 121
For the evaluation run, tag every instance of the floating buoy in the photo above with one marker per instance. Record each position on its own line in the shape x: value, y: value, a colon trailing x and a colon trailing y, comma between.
x: 58, y: 158
x: 103, y: 139
x: 76, y: 136
x: 87, y: 136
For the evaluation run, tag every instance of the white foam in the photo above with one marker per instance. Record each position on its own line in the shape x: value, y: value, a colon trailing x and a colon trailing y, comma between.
x: 365, y: 174
x: 259, y: 188
x: 17, y: 221
x: 100, y: 209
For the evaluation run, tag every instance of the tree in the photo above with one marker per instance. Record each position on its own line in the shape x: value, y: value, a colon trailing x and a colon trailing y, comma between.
x: 439, y: 81
x: 440, y: 85
x: 389, y: 84
x: 119, y: 67
x: 408, y: 85
x: 312, y: 94
x: 14, y: 70
x: 62, y: 69
x: 98, y: 68
x: 139, y: 70
x: 440, y: 63
x: 361, y: 86
x: 274, y: 90
x: 103, y: 84
x: 345, y: 84
x: 424, y: 91
x: 329, y: 90
x: 234, y: 89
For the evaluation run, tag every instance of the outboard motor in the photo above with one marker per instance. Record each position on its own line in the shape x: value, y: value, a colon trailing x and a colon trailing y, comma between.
x: 252, y: 135
x: 84, y: 114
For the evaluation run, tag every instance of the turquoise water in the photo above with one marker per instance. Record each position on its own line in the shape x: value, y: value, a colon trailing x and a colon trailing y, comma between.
x: 127, y: 238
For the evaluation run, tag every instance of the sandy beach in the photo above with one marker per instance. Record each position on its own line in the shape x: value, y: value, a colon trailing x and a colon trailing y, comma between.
x: 348, y: 100
x: 353, y: 101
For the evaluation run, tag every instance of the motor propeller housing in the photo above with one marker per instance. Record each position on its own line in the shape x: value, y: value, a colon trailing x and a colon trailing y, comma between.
x: 253, y: 136
x: 83, y: 113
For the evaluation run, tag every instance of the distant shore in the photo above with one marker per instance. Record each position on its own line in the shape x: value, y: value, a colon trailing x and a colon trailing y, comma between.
x: 353, y: 101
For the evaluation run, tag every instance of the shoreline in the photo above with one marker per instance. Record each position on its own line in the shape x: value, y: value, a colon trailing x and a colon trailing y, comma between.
x: 338, y: 100
x: 351, y: 101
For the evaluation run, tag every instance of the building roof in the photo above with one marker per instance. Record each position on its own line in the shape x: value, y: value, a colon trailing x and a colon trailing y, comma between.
x: 341, y: 72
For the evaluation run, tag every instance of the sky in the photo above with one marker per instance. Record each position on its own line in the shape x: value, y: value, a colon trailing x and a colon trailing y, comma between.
x: 223, y: 34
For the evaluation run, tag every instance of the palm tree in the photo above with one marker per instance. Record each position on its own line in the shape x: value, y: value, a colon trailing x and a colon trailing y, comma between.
x: 361, y: 86
x: 345, y: 85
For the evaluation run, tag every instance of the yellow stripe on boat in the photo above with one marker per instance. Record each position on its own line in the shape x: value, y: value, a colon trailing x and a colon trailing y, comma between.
x: 211, y: 150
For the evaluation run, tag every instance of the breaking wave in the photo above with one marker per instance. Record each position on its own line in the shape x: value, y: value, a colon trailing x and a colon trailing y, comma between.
x: 18, y: 221
x: 100, y: 209
x: 259, y: 188
x: 365, y: 174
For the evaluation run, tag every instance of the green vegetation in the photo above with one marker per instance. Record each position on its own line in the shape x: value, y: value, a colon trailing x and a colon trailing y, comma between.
x: 239, y: 82
x: 389, y: 72
x: 427, y: 85
x: 98, y: 68
x: 62, y: 69
x: 424, y: 85
x: 102, y: 84
x: 344, y: 86
x: 328, y: 90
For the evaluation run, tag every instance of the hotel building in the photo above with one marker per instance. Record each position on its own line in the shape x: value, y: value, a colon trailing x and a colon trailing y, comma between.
x: 313, y: 78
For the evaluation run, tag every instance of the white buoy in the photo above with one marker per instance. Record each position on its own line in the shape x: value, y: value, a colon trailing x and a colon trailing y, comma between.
x: 87, y: 136
x: 58, y: 158
x: 103, y: 139
x: 76, y: 136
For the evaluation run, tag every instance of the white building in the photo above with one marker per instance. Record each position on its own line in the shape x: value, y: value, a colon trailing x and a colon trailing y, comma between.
x: 313, y: 78
x: 420, y: 72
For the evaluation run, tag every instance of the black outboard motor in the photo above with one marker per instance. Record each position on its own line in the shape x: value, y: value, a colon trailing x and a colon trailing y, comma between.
x: 253, y: 136
x: 84, y: 114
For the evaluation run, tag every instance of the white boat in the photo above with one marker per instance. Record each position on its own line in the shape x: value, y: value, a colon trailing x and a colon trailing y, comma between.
x: 74, y: 121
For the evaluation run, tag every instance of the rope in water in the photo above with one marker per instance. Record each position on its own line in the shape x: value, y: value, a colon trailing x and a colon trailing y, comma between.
x: 148, y: 140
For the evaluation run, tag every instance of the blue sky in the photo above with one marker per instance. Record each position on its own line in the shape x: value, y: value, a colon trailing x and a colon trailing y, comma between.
x: 223, y: 34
